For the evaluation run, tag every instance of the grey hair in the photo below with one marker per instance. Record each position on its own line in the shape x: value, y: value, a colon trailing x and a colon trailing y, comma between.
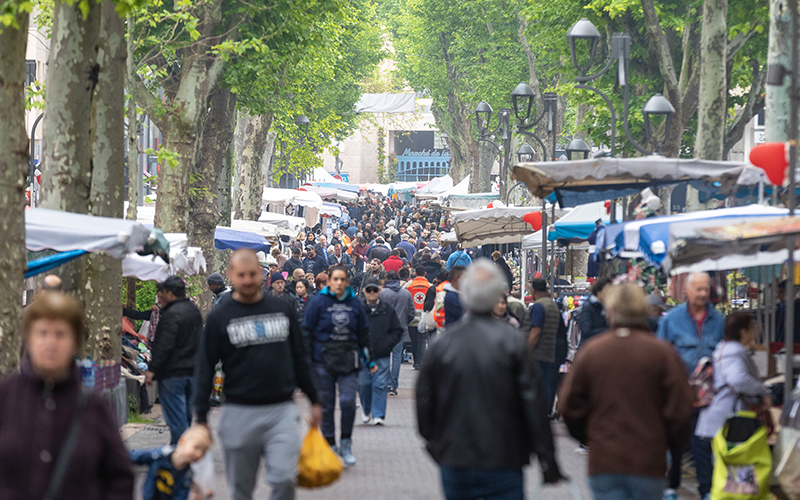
x: 692, y: 276
x: 482, y: 286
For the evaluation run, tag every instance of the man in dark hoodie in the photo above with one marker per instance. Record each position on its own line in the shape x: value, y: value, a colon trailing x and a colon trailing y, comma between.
x: 385, y: 332
x: 500, y: 262
x: 403, y: 303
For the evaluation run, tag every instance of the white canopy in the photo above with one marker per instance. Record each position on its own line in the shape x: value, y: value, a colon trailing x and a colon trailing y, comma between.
x: 266, y: 229
x: 321, y: 175
x: 65, y: 231
x: 183, y: 259
x: 459, y: 189
x: 292, y: 224
x: 491, y: 225
x: 386, y: 103
x: 447, y: 238
x: 436, y: 186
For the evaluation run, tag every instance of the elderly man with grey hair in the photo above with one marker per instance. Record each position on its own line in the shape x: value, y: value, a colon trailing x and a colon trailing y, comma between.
x: 694, y: 329
x: 479, y: 381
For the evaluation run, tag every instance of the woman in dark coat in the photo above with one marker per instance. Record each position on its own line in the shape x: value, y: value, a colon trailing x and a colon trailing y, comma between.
x: 37, y: 408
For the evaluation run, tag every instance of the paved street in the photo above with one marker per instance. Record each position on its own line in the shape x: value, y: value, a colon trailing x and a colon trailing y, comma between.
x: 392, y: 462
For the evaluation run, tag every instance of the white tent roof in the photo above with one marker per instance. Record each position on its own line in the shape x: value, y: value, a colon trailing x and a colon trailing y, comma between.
x: 460, y: 188
x: 281, y: 198
x: 436, y: 186
x: 321, y: 175
x: 183, y: 259
x: 491, y: 225
x: 65, y: 231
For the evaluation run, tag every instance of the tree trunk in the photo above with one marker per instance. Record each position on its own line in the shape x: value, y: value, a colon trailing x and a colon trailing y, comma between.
x: 67, y: 153
x: 713, y: 103
x: 222, y: 257
x: 103, y: 289
x: 251, y: 183
x: 133, y: 129
x: 13, y: 169
x: 217, y: 137
x: 779, y: 52
x: 482, y: 183
x: 269, y: 154
x: 238, y: 142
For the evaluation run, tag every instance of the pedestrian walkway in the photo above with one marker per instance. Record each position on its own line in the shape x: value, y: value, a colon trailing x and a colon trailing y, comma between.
x: 392, y: 461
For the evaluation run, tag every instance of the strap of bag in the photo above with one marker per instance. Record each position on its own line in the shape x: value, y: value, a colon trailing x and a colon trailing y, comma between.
x: 65, y: 455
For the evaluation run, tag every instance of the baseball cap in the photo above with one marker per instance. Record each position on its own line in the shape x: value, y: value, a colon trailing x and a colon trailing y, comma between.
x: 173, y: 284
x: 371, y: 283
x: 656, y: 300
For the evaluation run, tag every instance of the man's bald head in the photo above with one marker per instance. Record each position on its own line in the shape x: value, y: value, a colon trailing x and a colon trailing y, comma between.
x: 244, y: 256
x: 52, y: 283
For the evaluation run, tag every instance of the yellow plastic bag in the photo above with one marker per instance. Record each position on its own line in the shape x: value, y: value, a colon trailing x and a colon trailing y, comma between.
x: 319, y: 465
x: 741, y: 471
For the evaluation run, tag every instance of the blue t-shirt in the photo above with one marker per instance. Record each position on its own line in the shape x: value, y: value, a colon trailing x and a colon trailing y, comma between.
x: 537, y: 316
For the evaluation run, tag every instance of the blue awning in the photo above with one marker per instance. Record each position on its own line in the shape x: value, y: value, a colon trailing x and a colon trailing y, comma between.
x: 231, y: 239
x: 38, y: 266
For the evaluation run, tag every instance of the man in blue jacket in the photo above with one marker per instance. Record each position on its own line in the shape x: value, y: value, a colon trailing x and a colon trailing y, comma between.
x: 458, y: 258
x: 314, y: 263
x: 694, y: 329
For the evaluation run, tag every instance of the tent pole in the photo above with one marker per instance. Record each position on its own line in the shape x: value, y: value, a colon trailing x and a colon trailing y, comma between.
x: 544, y: 240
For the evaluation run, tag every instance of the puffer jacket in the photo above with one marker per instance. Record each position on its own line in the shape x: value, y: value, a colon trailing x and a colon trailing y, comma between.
x: 482, y: 363
x: 385, y: 330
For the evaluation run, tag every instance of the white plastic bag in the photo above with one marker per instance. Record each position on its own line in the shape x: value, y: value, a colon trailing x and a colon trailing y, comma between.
x: 203, y: 477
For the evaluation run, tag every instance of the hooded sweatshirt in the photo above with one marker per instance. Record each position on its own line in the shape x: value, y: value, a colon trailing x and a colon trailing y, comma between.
x: 328, y: 318
x: 401, y: 301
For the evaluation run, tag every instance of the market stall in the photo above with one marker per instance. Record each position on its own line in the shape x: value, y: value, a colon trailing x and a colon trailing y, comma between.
x: 282, y: 200
x: 492, y: 225
x: 435, y: 187
x: 599, y: 179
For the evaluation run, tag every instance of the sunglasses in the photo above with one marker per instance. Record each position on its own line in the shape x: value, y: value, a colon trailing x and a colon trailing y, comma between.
x: 371, y: 290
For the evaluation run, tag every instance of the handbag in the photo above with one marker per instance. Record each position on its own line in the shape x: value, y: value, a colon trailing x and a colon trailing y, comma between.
x: 340, y: 357
x: 742, y: 469
x: 68, y: 448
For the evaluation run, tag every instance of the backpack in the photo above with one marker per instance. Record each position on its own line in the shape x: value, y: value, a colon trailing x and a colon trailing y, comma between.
x: 702, y: 382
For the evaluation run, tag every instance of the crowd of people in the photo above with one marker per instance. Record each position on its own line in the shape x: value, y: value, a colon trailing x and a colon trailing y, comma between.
x: 336, y: 319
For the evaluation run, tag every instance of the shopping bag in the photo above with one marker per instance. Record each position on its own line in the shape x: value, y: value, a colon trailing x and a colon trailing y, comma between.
x: 319, y: 465
x: 788, y: 470
x: 203, y: 482
x: 741, y: 469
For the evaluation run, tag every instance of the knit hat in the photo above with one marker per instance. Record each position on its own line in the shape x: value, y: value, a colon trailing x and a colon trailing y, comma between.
x: 215, y: 279
x: 276, y: 277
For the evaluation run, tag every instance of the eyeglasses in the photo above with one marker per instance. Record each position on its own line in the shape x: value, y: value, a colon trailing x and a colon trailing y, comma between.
x: 371, y: 290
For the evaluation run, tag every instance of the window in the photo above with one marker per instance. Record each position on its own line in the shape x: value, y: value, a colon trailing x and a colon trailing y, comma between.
x: 30, y: 72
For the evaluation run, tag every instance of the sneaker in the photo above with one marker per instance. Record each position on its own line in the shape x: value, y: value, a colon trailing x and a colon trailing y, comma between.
x: 670, y: 494
x: 378, y: 421
x: 582, y: 450
x: 366, y: 418
x: 346, y: 452
x: 392, y: 391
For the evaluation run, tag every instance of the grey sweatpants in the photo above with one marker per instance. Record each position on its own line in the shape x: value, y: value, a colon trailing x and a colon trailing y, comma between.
x: 248, y: 432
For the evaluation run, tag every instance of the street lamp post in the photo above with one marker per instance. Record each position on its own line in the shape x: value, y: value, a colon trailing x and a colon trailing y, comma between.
x: 584, y: 32
x: 303, y: 122
x: 522, y: 101
x: 32, y: 162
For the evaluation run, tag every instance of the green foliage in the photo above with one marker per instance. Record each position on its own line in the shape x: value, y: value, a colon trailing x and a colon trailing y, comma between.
x: 34, y: 96
x: 382, y: 177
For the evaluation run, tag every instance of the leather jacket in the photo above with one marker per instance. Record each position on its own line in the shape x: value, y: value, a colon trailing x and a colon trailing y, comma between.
x: 478, y: 399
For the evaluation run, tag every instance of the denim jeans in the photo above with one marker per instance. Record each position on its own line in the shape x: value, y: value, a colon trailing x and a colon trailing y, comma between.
x: 373, y: 388
x: 549, y: 374
x: 397, y: 359
x: 474, y: 483
x: 326, y: 388
x: 175, y: 394
x: 701, y: 447
x: 626, y: 487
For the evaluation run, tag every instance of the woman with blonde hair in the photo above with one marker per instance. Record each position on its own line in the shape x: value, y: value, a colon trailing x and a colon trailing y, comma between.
x: 58, y: 439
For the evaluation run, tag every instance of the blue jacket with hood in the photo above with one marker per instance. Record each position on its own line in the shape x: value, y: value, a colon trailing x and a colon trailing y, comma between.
x: 328, y: 318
